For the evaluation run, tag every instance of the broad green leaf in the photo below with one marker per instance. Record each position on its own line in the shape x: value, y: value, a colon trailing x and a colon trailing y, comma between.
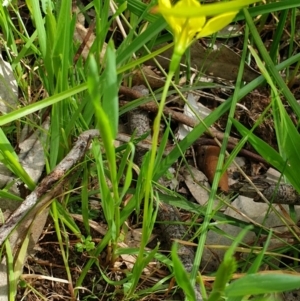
x: 46, y: 6
x: 262, y: 283
x: 11, y: 160
x: 109, y: 84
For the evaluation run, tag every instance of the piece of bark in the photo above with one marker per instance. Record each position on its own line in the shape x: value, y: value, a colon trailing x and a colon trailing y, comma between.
x: 172, y: 230
x: 273, y: 192
x: 230, y: 146
x: 147, y: 77
x: 139, y: 124
x: 207, y: 157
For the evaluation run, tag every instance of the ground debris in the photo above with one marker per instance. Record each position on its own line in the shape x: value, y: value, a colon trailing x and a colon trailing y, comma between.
x: 275, y: 193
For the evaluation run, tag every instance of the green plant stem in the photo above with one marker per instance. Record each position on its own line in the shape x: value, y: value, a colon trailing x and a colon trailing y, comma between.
x: 148, y: 215
x: 218, y: 173
x: 156, y: 127
x: 55, y: 216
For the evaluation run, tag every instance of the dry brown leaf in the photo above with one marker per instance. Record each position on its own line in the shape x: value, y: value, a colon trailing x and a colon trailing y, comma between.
x: 32, y: 158
x: 79, y: 36
x: 8, y: 88
x: 222, y: 62
x: 147, y: 76
x: 195, y: 180
x: 207, y: 159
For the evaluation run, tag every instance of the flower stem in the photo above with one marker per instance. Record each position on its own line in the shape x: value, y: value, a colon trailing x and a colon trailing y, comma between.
x: 156, y: 126
x: 147, y: 216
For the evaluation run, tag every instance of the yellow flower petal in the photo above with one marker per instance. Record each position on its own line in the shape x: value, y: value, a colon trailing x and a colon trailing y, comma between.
x: 165, y: 3
x: 194, y: 24
x: 216, y: 23
x: 184, y: 29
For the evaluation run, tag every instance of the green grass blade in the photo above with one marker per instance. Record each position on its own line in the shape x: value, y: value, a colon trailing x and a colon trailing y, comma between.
x: 268, y: 8
x: 29, y: 109
x: 107, y: 200
x: 278, y: 36
x: 85, y: 201
x: 7, y: 195
x: 126, y: 163
x: 288, y: 138
x: 138, y: 8
x: 11, y: 277
x: 270, y: 65
x: 269, y: 154
x: 39, y: 24
x: 226, y: 268
x: 259, y: 258
x: 152, y: 30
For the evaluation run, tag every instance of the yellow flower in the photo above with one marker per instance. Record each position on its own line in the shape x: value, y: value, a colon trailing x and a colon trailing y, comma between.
x: 185, y: 29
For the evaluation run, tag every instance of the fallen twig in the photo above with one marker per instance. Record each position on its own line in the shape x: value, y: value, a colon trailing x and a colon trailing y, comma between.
x: 273, y: 192
x: 175, y: 115
x: 48, y: 183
